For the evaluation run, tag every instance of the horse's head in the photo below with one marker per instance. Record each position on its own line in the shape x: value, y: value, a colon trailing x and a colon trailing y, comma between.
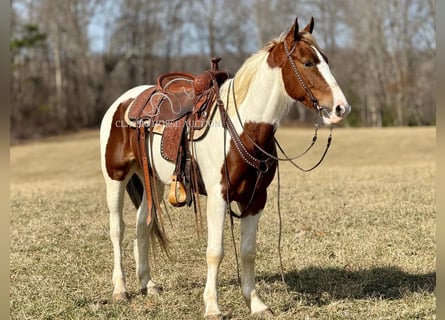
x: 306, y: 74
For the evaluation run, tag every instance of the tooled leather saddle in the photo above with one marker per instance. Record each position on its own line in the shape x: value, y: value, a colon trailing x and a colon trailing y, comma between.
x: 178, y: 108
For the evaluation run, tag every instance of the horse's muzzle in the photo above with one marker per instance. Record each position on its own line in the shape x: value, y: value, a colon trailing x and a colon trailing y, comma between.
x: 336, y: 115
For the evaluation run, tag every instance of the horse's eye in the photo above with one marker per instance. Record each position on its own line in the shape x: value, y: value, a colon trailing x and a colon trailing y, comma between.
x: 308, y: 64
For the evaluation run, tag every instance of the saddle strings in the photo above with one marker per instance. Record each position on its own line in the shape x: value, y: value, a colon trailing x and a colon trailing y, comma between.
x: 196, y: 200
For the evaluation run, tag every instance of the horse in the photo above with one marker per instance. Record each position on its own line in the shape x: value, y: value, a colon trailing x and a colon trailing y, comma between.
x: 290, y: 68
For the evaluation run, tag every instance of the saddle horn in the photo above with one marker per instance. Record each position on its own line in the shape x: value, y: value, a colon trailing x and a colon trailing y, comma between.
x: 215, y: 61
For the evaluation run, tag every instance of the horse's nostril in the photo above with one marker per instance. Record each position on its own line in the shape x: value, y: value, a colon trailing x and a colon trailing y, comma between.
x: 339, y: 111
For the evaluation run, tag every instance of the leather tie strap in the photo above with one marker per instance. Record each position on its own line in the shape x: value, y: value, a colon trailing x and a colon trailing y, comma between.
x: 143, y: 154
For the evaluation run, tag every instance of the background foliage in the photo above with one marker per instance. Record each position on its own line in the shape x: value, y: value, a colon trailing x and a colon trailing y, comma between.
x: 71, y: 59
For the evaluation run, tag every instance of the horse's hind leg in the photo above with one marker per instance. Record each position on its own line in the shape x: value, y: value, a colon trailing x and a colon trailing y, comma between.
x: 115, y: 200
x: 141, y: 248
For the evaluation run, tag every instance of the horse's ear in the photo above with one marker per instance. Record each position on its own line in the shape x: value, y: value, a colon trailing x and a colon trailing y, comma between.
x: 310, y: 26
x: 295, y: 30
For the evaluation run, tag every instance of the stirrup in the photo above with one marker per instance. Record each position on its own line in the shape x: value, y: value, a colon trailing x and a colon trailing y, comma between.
x: 177, y: 195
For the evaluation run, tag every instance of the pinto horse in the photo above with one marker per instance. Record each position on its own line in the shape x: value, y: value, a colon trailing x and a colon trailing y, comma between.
x: 291, y: 67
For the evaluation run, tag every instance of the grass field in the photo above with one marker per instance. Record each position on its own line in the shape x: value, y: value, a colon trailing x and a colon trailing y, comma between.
x: 358, y: 237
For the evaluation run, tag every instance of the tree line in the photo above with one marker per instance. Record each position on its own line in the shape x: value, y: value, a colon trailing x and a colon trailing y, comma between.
x: 71, y: 59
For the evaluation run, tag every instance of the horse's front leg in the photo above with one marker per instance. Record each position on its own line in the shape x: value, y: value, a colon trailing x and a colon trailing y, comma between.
x: 249, y: 226
x: 215, y: 251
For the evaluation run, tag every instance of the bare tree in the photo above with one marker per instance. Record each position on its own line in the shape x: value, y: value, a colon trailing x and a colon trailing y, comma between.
x: 382, y: 53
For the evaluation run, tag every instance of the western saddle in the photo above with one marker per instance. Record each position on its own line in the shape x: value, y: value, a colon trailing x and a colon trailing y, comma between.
x: 178, y: 108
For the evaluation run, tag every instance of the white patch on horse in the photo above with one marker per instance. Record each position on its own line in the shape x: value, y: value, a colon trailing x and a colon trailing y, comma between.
x: 267, y: 100
x: 338, y: 98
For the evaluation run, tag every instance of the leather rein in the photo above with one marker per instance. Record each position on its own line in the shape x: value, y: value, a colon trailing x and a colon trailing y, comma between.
x: 262, y: 165
x: 277, y: 144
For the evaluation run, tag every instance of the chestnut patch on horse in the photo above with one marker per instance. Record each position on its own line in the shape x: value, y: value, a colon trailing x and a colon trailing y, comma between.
x: 119, y: 154
x: 241, y: 179
x: 305, y: 57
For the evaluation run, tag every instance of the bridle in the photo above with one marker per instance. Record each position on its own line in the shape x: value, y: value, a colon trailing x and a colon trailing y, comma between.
x: 268, y: 154
x: 262, y: 165
x: 314, y: 101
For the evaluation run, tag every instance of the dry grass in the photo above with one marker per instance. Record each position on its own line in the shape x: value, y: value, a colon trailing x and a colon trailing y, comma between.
x: 358, y: 236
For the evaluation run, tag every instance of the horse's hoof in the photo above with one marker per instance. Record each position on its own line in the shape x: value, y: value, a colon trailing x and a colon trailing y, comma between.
x: 264, y: 314
x: 150, y: 291
x: 121, y: 296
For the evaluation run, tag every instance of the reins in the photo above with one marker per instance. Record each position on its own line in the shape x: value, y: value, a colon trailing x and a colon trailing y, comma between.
x: 260, y: 165
x: 285, y: 156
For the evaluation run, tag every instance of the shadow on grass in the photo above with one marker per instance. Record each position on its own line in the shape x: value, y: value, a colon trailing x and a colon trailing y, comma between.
x: 323, y: 285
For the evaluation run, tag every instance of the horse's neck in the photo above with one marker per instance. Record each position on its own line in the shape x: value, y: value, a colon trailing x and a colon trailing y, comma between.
x: 266, y: 100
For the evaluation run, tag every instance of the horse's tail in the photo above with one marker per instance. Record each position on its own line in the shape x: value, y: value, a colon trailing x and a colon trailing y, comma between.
x: 135, y: 189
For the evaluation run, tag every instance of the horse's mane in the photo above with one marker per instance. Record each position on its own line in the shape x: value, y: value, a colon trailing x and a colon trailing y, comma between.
x: 246, y: 73
x: 249, y: 68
